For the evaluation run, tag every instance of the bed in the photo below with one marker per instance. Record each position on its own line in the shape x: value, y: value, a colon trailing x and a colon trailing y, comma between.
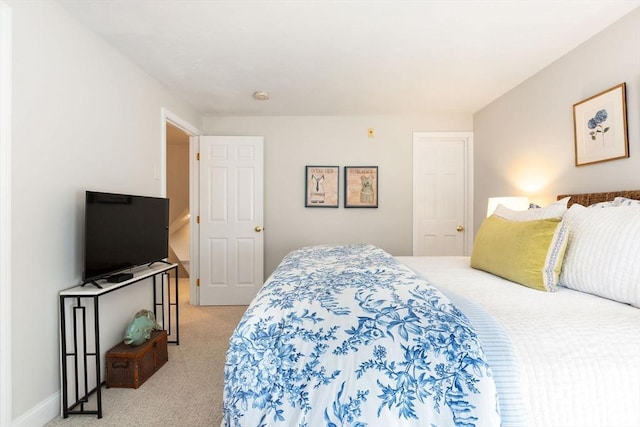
x: 348, y: 335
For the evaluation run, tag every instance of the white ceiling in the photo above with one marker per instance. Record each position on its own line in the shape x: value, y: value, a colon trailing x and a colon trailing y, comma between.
x: 344, y: 57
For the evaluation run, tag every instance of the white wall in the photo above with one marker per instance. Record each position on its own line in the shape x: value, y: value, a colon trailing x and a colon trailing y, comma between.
x: 84, y: 118
x: 524, y: 141
x: 293, y: 142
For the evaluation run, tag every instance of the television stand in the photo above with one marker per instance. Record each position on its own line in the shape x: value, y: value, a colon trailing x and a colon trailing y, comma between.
x: 80, y: 353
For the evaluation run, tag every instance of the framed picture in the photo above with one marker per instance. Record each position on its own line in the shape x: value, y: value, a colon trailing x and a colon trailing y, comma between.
x: 360, y: 186
x: 600, y: 127
x: 321, y: 186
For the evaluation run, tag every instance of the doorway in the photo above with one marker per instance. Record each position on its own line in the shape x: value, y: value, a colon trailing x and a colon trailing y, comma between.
x: 177, y: 185
x: 179, y: 145
x: 243, y: 263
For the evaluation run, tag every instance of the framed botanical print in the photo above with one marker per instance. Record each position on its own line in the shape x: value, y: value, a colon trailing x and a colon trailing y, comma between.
x: 360, y: 186
x: 600, y: 127
x: 321, y: 186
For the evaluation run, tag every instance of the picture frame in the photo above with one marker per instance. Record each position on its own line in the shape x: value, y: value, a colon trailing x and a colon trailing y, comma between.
x: 321, y: 186
x: 600, y: 127
x: 360, y: 186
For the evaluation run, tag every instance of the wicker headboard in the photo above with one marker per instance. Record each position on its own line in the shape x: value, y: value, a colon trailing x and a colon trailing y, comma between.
x: 587, y: 199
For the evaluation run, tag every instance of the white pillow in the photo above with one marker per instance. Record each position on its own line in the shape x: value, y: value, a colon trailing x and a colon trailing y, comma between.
x: 625, y: 201
x: 607, y: 204
x: 603, y: 252
x: 553, y: 210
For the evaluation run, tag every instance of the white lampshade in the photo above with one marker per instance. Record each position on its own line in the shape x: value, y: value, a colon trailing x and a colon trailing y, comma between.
x: 517, y: 203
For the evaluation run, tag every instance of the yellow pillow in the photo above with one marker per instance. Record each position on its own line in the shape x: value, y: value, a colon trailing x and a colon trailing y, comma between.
x: 526, y: 252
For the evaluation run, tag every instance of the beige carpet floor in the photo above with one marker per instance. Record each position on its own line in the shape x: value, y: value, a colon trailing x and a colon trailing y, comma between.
x: 187, y: 390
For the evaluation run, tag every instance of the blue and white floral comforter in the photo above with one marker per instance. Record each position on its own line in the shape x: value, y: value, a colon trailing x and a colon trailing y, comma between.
x: 347, y: 336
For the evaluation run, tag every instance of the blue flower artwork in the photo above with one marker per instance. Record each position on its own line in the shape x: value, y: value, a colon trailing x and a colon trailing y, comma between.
x: 344, y: 335
x: 595, y: 124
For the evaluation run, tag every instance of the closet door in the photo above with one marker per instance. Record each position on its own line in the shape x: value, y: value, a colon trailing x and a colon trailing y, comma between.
x: 442, y: 205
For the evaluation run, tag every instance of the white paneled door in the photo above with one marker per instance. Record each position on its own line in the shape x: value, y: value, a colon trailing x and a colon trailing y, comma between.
x: 231, y: 219
x: 442, y: 207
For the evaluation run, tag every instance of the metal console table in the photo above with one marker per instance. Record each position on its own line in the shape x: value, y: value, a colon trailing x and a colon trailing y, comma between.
x: 78, y: 350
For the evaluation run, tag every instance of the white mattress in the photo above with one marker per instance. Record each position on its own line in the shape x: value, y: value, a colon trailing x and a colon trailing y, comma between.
x: 579, y: 353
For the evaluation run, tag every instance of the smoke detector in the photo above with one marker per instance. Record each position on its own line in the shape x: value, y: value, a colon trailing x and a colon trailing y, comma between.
x: 261, y: 95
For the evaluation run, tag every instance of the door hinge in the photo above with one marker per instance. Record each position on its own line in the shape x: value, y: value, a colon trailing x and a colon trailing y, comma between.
x: 198, y: 219
x: 198, y: 282
x: 197, y: 156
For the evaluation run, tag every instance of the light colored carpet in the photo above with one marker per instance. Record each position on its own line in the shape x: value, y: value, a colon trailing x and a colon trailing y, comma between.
x: 187, y: 390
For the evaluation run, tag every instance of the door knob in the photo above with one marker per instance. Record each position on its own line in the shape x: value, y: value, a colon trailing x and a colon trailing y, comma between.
x: 258, y: 229
x: 459, y: 228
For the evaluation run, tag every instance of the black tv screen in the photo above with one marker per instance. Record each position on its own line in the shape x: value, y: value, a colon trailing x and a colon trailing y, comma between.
x: 123, y: 231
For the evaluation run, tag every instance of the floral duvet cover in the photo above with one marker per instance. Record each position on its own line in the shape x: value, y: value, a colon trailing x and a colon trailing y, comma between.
x: 345, y: 335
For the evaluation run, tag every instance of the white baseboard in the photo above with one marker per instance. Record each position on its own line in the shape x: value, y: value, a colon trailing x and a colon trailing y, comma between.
x: 40, y: 414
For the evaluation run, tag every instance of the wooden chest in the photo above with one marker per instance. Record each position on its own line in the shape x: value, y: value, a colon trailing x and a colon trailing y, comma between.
x: 130, y: 366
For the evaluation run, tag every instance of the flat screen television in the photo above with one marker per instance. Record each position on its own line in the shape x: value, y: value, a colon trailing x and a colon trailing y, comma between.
x: 123, y: 231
